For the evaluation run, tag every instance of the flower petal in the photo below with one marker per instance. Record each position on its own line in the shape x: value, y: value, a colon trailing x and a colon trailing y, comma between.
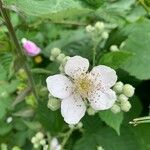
x: 104, y: 74
x: 73, y: 109
x: 59, y: 86
x: 76, y: 65
x: 101, y: 100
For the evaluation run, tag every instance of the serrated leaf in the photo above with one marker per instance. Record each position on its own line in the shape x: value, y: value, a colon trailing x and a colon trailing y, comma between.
x: 55, y: 10
x: 112, y: 120
x: 115, y: 59
x: 108, y: 139
x: 138, y: 43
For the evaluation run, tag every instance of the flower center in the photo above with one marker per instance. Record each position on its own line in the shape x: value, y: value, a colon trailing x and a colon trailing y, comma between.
x: 84, y: 84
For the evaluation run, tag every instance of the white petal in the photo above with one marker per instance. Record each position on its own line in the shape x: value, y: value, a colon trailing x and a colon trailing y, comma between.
x: 73, y: 109
x: 102, y: 100
x: 59, y: 86
x: 76, y: 65
x: 104, y: 74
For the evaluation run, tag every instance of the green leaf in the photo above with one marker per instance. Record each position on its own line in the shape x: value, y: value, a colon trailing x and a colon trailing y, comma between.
x: 115, y: 59
x: 5, y: 104
x: 112, y: 120
x: 55, y: 10
x: 50, y: 120
x: 5, y: 128
x: 142, y: 134
x: 138, y: 43
x: 3, y: 73
x: 108, y: 139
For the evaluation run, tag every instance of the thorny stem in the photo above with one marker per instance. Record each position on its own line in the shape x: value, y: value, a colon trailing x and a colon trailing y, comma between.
x: 18, y: 51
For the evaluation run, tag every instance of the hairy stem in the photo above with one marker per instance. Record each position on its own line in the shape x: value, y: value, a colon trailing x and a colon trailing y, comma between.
x: 18, y: 51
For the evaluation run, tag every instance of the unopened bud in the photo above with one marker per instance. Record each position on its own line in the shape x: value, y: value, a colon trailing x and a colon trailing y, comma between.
x: 34, y: 140
x: 114, y: 48
x: 118, y: 87
x: 30, y: 47
x: 100, y: 148
x: 105, y: 35
x: 122, y: 98
x: 80, y: 125
x: 65, y: 60
x: 61, y: 68
x: 43, y: 142
x: 89, y: 28
x: 126, y: 106
x: 39, y: 135
x: 36, y: 145
x: 53, y: 103
x: 52, y: 58
x: 115, y: 109
x: 91, y: 111
x: 99, y: 25
x: 128, y: 90
x: 9, y: 119
x: 60, y: 58
x: 16, y: 148
x: 55, y: 52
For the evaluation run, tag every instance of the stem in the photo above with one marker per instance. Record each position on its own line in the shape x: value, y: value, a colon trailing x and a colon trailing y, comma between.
x: 94, y: 51
x: 18, y: 51
x: 140, y: 120
x: 68, y: 134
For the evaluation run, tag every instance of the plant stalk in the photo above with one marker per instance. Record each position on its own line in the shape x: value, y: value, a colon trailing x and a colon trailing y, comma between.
x: 18, y: 51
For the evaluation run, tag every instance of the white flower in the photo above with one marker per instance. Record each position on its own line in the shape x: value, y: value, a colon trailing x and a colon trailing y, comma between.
x: 54, y: 145
x: 80, y: 85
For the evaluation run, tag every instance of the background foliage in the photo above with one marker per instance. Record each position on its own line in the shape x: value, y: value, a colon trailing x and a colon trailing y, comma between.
x: 61, y: 23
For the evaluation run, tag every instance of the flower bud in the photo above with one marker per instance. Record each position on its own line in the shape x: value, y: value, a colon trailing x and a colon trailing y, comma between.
x: 122, y: 44
x: 60, y: 58
x: 3, y: 146
x: 34, y: 140
x: 61, y: 68
x: 43, y: 142
x: 55, y: 52
x: 52, y: 58
x: 39, y: 135
x: 4, y: 94
x: 9, y: 119
x: 16, y: 148
x: 100, y: 148
x: 99, y: 25
x: 114, y: 48
x: 105, y: 35
x: 126, y: 106
x: 80, y: 125
x: 89, y: 28
x: 30, y: 47
x: 45, y: 147
x: 128, y: 90
x: 115, y: 109
x: 65, y: 60
x: 53, y: 103
x: 122, y: 98
x: 118, y: 87
x: 36, y: 145
x: 38, y: 59
x: 91, y: 111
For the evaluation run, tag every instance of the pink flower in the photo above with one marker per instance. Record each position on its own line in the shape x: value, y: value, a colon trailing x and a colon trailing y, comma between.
x: 30, y: 47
